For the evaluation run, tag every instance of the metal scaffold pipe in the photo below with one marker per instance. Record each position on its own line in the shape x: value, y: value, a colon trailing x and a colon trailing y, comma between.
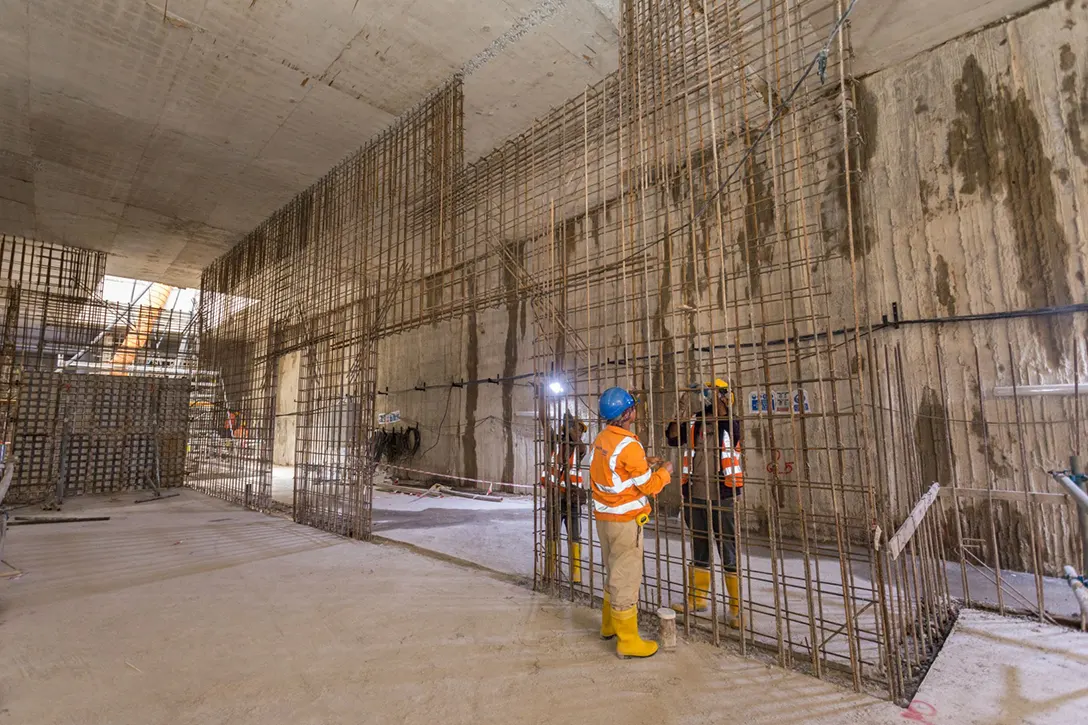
x: 1080, y: 592
x: 1074, y: 485
x: 1072, y: 489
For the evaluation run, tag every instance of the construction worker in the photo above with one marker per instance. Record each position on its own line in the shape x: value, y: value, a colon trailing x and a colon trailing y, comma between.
x: 563, y: 472
x: 621, y: 483
x: 709, y: 499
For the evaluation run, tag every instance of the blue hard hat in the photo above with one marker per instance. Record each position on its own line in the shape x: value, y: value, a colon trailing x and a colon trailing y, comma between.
x: 615, y: 402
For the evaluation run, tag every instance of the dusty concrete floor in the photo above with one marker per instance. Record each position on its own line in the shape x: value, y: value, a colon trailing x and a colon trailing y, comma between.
x: 192, y: 611
x: 499, y: 536
x: 1005, y: 671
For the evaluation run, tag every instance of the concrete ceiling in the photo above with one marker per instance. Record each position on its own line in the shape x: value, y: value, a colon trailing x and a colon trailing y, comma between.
x: 160, y: 131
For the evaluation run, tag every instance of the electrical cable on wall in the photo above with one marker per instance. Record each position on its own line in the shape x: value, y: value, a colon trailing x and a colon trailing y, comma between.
x: 441, y: 424
x: 396, y: 444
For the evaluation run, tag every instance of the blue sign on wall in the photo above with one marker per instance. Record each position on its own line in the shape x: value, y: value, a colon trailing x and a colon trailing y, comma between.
x: 780, y: 401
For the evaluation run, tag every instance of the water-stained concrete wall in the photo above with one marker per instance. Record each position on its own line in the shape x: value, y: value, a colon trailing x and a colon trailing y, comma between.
x: 976, y: 174
x: 473, y: 428
x: 974, y: 168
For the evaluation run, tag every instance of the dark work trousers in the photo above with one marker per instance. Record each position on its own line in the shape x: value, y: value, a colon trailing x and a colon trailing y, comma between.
x: 570, y: 515
x: 697, y: 518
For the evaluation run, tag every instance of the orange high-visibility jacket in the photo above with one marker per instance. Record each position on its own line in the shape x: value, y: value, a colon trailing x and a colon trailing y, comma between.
x: 620, y: 476
x: 732, y: 471
x: 553, y: 474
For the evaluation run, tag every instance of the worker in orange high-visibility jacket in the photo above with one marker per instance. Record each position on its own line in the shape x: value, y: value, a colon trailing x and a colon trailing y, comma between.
x: 564, y: 473
x: 712, y: 479
x: 622, y: 482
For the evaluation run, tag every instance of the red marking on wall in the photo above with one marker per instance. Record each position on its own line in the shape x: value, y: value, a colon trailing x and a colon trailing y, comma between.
x: 772, y: 467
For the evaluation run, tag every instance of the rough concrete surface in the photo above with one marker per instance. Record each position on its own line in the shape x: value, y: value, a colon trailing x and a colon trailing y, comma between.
x: 192, y: 611
x: 1017, y: 671
x: 287, y: 380
x: 981, y: 142
x: 162, y: 130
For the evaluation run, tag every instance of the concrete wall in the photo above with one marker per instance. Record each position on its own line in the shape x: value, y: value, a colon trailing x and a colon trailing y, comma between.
x: 286, y: 412
x: 976, y: 174
x: 479, y: 430
x: 968, y: 197
x: 975, y: 165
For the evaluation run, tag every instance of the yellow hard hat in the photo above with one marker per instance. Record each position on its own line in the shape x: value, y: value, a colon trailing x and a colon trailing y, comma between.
x: 722, y: 387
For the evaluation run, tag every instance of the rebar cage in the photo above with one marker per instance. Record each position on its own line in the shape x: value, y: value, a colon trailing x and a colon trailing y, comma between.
x: 680, y: 250
x: 326, y: 277
x: 694, y: 216
x: 94, y: 393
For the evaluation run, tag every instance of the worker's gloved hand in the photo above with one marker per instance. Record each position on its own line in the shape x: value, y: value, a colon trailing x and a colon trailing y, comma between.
x: 654, y: 461
x: 668, y: 467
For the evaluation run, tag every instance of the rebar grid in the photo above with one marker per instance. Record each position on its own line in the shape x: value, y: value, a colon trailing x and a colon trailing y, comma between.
x: 88, y: 407
x: 368, y: 247
x: 699, y: 250
x: 693, y: 216
x: 999, y: 511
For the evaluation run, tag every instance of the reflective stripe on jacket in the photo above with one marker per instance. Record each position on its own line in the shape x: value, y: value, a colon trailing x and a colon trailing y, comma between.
x: 620, y: 476
x: 731, y: 470
x: 553, y: 474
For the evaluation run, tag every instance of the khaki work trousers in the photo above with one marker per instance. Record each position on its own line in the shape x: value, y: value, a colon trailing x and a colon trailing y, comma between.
x: 621, y: 547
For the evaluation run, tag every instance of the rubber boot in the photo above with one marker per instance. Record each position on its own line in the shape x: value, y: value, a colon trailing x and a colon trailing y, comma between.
x: 698, y: 591
x: 608, y: 630
x: 630, y: 644
x: 678, y: 607
x: 576, y: 563
x: 701, y: 589
x: 732, y: 587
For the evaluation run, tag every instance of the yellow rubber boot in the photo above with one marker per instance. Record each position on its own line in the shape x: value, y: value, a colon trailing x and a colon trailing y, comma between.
x: 678, y: 607
x: 700, y: 589
x: 608, y: 630
x: 630, y: 644
x: 576, y: 563
x: 732, y: 587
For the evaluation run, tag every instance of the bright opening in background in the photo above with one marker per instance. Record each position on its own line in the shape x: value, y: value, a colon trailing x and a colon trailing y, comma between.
x: 129, y: 291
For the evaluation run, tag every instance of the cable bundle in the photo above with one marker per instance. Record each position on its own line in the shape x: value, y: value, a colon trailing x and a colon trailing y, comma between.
x: 396, y: 444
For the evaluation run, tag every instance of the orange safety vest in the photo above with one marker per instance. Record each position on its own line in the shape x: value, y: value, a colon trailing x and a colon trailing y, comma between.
x: 551, y: 474
x: 620, y: 476
x: 732, y: 473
